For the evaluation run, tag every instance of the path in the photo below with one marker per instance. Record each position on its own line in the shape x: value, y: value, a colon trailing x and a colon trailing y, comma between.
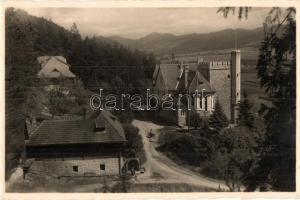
x: 163, y: 167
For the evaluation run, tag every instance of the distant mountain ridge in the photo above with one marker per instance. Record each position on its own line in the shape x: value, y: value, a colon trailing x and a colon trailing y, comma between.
x: 166, y: 43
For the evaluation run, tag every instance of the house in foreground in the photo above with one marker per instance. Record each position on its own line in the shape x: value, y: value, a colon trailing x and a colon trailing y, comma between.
x: 80, y: 147
x: 214, y: 80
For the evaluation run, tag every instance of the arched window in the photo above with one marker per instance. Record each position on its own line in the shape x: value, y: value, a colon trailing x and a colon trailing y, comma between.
x: 200, y: 102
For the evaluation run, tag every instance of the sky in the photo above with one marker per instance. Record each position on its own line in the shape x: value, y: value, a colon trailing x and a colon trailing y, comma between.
x: 138, y: 22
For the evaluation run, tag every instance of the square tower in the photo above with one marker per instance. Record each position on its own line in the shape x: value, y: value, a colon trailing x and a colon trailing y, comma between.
x: 218, y: 75
x: 235, y: 72
x: 225, y: 78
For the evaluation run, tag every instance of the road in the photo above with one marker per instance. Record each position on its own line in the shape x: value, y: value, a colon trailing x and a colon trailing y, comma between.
x: 159, y: 168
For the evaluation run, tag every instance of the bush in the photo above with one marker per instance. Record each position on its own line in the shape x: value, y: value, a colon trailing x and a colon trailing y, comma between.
x: 195, y: 119
x: 134, y: 145
x: 188, y: 148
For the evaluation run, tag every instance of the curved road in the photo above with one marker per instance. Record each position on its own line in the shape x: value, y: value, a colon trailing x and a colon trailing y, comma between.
x: 159, y: 168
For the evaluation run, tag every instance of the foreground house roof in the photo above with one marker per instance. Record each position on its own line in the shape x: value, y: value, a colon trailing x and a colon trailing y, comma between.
x: 79, y: 131
x: 54, y: 67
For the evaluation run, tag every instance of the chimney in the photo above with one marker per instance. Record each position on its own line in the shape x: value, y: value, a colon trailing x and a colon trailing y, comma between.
x: 199, y: 60
x: 186, y: 76
x: 235, y: 73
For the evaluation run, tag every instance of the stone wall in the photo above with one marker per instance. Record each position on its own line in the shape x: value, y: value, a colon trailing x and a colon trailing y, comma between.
x: 86, y: 166
x: 220, y: 80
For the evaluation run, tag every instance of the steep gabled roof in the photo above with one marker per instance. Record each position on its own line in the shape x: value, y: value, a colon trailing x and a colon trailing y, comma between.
x: 181, y: 83
x: 175, y: 79
x: 193, y: 78
x: 203, y: 84
x: 79, y: 131
x: 171, y: 74
x: 54, y: 67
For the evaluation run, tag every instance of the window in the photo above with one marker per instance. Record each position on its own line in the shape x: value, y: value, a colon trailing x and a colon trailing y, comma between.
x: 99, y: 129
x: 237, y: 94
x: 205, y: 103
x: 182, y: 112
x: 201, y: 102
x: 102, y: 167
x: 75, y: 168
x: 237, y: 75
x: 228, y: 76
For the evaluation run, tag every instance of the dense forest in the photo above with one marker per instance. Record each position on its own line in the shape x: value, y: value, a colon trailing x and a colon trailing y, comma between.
x: 28, y: 37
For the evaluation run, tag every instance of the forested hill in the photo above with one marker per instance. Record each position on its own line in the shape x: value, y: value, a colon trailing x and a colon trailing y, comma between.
x: 28, y: 36
x: 166, y: 43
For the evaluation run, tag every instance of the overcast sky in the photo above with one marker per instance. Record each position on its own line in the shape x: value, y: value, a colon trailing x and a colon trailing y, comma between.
x: 138, y: 22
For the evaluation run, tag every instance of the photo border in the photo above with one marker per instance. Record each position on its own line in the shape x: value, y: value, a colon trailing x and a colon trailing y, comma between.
x: 143, y: 3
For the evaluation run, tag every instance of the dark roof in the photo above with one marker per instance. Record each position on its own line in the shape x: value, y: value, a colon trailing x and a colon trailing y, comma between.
x: 181, y: 84
x: 54, y: 132
x: 170, y: 74
x: 193, y: 77
x: 203, y: 84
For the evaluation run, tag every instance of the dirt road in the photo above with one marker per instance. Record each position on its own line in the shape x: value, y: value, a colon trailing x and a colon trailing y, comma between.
x: 159, y: 168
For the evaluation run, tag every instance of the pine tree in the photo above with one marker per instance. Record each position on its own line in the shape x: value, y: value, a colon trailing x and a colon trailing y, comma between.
x: 245, y: 117
x: 218, y: 119
x: 276, y: 69
x: 195, y: 119
x: 277, y: 72
x: 74, y: 29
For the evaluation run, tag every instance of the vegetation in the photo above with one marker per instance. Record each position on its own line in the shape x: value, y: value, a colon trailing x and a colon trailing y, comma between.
x: 245, y: 117
x: 192, y: 149
x: 276, y: 69
x: 28, y: 37
x: 195, y: 120
x: 218, y: 119
x: 134, y: 144
x: 277, y: 72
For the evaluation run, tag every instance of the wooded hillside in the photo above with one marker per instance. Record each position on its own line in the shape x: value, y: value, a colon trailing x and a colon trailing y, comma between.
x: 28, y: 37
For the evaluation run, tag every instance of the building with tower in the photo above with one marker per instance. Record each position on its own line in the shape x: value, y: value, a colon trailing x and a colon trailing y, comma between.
x: 214, y: 80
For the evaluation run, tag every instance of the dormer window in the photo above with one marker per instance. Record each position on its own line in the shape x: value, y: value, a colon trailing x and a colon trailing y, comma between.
x: 99, y: 127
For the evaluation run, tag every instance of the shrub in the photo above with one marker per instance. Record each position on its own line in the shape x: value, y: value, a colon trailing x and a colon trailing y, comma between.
x: 188, y: 148
x: 134, y: 145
